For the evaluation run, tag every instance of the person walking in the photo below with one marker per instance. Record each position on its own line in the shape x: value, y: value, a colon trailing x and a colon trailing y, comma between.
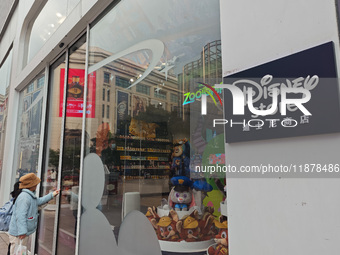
x: 25, y: 210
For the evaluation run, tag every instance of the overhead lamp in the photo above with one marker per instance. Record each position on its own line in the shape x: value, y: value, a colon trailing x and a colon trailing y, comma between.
x: 59, y: 15
x: 131, y: 80
x: 61, y: 20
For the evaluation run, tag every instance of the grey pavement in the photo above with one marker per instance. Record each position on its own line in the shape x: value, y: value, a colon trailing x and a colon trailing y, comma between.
x: 3, y: 243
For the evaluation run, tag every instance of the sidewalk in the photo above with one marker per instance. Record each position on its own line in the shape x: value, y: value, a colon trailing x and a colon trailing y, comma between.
x: 3, y: 243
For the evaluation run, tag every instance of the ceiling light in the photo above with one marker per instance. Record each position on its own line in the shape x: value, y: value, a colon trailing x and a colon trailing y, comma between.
x: 61, y: 20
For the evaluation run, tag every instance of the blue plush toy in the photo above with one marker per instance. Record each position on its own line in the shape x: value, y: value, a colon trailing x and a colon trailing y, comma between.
x: 181, y: 158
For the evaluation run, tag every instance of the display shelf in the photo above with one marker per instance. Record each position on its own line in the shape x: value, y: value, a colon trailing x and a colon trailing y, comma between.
x: 140, y: 168
x: 149, y: 156
x: 155, y: 177
x: 138, y: 138
x: 146, y: 150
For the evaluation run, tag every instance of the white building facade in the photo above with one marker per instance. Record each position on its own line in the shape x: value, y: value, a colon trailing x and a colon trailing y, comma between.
x: 138, y: 68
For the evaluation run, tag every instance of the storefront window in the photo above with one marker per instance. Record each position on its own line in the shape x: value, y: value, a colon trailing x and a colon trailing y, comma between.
x: 159, y: 55
x: 52, y: 15
x: 5, y: 73
x: 28, y: 131
x: 28, y: 138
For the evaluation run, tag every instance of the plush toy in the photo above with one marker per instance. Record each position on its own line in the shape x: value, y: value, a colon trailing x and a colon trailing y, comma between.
x: 206, y: 224
x: 221, y: 238
x: 166, y: 227
x: 188, y: 227
x: 152, y: 214
x: 181, y: 197
x: 181, y: 158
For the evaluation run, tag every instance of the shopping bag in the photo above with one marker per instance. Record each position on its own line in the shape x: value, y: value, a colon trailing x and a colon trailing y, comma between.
x: 20, y: 249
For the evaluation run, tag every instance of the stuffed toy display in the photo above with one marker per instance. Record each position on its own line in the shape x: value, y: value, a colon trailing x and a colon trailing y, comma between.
x: 181, y: 158
x: 191, y: 228
x: 221, y: 238
x: 166, y: 227
x: 151, y: 214
x: 181, y: 197
x: 188, y: 227
x: 206, y: 224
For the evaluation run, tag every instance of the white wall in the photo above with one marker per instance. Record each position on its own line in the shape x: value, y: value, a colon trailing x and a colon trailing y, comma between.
x: 280, y: 216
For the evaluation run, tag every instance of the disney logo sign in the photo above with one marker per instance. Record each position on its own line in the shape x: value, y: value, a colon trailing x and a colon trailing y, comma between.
x: 266, y: 89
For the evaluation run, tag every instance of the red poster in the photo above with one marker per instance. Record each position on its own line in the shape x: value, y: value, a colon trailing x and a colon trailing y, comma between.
x: 75, y: 93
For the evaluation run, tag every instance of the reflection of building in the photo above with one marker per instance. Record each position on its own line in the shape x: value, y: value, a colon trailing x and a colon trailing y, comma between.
x: 207, y: 69
x: 3, y: 119
x: 111, y: 82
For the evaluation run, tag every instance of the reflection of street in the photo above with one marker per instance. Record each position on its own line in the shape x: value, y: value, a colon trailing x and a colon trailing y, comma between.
x: 65, y: 234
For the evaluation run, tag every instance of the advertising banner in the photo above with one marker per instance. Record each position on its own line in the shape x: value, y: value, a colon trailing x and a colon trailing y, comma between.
x: 122, y: 106
x: 138, y: 105
x: 75, y: 93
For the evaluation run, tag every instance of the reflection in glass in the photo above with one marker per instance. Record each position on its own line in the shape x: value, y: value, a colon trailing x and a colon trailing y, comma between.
x: 50, y: 161
x: 71, y: 147
x: 52, y: 15
x: 151, y: 134
x: 28, y: 136
x: 5, y: 72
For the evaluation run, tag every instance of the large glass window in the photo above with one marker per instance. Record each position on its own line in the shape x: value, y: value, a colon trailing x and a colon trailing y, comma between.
x: 5, y: 73
x: 52, y: 15
x: 143, y: 89
x: 122, y: 82
x: 106, y: 77
x: 160, y: 93
x: 28, y: 138
x: 28, y: 131
x: 158, y: 46
x: 174, y: 98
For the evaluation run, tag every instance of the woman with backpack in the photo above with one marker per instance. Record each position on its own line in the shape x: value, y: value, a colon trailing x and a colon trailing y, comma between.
x: 7, y: 210
x: 25, y: 210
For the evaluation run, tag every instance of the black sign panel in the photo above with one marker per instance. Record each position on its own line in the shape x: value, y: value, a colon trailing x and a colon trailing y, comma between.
x: 313, y: 70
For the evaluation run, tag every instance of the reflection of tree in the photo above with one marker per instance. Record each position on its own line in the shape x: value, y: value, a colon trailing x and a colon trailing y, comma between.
x: 71, y: 150
x: 71, y: 157
x: 54, y: 158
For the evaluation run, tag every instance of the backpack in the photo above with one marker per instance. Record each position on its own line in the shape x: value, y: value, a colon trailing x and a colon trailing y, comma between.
x: 5, y: 215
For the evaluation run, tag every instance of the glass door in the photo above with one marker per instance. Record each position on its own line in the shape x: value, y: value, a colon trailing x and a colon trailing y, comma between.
x: 50, y: 170
x: 61, y: 168
x: 70, y: 171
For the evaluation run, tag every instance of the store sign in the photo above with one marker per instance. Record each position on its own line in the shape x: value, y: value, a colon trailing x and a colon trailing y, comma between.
x: 292, y: 96
x: 75, y: 93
